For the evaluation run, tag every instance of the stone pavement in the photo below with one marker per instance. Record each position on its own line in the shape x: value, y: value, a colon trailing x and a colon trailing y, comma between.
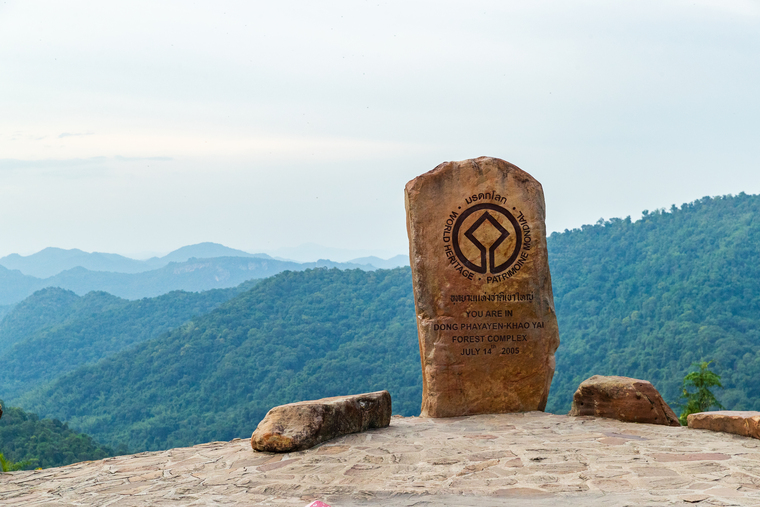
x: 487, y: 460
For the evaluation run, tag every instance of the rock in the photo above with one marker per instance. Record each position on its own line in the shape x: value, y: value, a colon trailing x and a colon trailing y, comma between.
x: 302, y: 425
x: 622, y: 398
x: 746, y: 424
x: 483, y: 296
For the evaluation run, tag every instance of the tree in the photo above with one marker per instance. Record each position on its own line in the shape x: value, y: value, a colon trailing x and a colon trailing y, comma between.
x: 9, y: 466
x: 696, y: 390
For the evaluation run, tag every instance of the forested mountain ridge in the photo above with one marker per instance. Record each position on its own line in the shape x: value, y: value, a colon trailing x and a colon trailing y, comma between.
x: 643, y: 299
x: 45, y: 442
x: 54, y: 331
x: 49, y: 307
x: 4, y: 310
x: 295, y: 336
x: 647, y: 298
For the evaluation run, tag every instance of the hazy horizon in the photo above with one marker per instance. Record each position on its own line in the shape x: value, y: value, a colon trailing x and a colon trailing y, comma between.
x: 140, y: 127
x: 298, y: 253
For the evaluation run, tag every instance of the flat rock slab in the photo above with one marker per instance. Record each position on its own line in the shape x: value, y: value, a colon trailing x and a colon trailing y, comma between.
x: 728, y: 421
x: 482, y: 289
x: 486, y: 460
x: 622, y: 398
x: 302, y: 425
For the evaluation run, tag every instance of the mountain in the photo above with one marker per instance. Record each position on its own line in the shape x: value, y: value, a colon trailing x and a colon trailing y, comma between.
x: 643, y: 299
x: 54, y: 331
x: 4, y: 309
x: 47, y: 308
x: 646, y: 299
x: 309, y: 251
x: 205, y: 251
x: 45, y: 442
x: 295, y: 336
x: 15, y: 286
x: 52, y: 261
x: 191, y: 275
x: 394, y: 262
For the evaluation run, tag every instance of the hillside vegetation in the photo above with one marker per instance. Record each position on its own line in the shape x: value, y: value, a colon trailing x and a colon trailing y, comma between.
x: 47, y: 308
x: 298, y: 335
x: 646, y: 299
x: 643, y: 299
x: 54, y: 331
x: 45, y: 442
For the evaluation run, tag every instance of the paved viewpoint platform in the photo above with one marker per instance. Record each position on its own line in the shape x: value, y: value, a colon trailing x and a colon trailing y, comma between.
x: 486, y: 460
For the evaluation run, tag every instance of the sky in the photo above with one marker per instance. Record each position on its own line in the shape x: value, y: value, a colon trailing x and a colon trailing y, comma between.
x: 137, y: 127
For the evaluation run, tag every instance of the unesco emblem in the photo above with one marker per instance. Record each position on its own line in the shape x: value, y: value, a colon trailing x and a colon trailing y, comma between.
x: 486, y: 238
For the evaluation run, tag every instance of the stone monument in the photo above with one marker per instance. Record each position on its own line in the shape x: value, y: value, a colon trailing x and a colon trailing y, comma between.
x: 482, y: 289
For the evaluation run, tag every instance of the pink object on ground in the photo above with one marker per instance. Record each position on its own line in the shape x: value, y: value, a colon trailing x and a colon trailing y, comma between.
x: 317, y: 504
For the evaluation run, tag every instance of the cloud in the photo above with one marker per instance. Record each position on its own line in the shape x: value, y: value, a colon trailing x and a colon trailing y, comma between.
x: 68, y: 134
x: 14, y: 164
x: 739, y: 7
x: 143, y: 159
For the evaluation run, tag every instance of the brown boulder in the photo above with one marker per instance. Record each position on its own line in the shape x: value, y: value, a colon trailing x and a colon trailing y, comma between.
x: 485, y: 312
x: 302, y: 425
x: 746, y: 424
x: 622, y: 398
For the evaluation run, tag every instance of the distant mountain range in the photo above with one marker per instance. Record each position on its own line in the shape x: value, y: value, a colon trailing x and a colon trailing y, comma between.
x: 192, y: 275
x: 394, y: 262
x: 311, y: 251
x: 192, y: 268
x: 51, y: 261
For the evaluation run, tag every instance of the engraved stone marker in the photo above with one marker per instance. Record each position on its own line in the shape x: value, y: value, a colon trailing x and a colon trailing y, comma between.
x: 483, y: 296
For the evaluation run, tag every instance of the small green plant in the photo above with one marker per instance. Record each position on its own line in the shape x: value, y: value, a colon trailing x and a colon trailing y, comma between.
x: 696, y: 391
x: 9, y: 466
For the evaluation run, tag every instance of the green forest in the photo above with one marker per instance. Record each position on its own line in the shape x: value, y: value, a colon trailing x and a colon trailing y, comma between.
x: 643, y: 298
x: 54, y: 331
x: 295, y: 336
x: 43, y: 443
x: 646, y: 299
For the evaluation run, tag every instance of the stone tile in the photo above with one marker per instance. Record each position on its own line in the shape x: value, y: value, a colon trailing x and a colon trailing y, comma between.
x: 654, y: 471
x: 690, y: 457
x: 276, y: 464
x: 610, y: 485
x: 725, y: 492
x: 613, y: 440
x: 521, y: 492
